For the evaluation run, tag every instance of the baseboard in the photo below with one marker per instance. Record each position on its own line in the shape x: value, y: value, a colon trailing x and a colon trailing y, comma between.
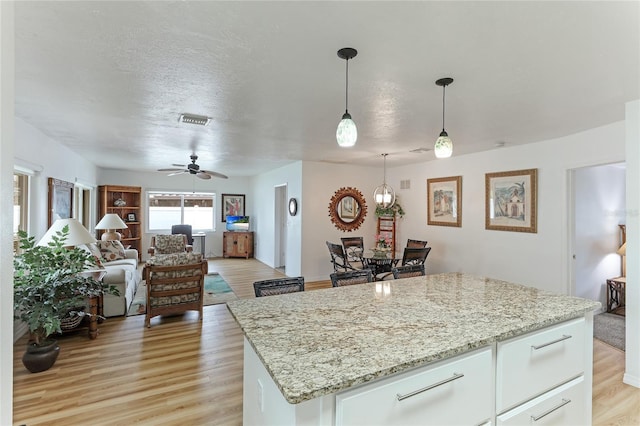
x: 631, y: 380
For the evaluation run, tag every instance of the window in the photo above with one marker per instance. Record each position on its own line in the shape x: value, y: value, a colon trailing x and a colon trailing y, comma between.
x: 20, y: 206
x: 178, y: 208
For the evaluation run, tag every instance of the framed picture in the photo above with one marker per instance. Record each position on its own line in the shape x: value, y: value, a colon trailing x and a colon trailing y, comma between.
x: 444, y: 201
x: 60, y: 200
x: 510, y: 201
x: 131, y: 217
x: 232, y: 205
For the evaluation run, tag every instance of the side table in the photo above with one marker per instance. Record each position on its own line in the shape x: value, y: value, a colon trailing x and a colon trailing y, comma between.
x: 616, y: 295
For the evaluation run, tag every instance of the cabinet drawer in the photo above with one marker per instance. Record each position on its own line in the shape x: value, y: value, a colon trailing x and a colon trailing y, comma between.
x: 458, y: 392
x: 563, y: 405
x: 532, y: 364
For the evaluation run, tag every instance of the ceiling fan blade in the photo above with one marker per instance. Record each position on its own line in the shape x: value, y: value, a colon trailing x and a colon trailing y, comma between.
x: 215, y: 174
x: 178, y: 173
x: 203, y: 175
x: 170, y: 170
x: 179, y: 165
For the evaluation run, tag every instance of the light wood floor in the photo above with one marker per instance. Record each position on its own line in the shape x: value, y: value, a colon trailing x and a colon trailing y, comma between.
x: 183, y: 372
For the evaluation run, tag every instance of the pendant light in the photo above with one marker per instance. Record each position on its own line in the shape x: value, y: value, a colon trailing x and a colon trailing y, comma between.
x: 384, y: 195
x: 347, y: 133
x: 443, y: 147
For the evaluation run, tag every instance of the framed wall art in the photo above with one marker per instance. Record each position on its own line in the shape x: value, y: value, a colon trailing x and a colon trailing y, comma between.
x: 60, y: 200
x: 232, y: 205
x: 511, y: 201
x: 444, y: 201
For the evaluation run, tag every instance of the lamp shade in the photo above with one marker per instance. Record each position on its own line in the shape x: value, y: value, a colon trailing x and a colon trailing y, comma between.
x: 78, y: 234
x: 111, y: 221
x: 622, y: 251
x: 444, y: 146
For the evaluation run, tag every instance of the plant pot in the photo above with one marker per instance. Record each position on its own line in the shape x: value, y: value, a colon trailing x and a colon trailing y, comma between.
x: 39, y: 358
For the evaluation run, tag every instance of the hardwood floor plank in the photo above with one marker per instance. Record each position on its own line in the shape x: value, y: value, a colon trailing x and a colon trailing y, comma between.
x: 186, y: 371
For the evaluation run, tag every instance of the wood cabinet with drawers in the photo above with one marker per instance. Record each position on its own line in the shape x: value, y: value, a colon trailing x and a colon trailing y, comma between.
x: 237, y: 244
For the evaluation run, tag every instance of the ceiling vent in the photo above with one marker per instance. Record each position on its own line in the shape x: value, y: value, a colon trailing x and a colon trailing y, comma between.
x: 420, y: 150
x: 200, y: 120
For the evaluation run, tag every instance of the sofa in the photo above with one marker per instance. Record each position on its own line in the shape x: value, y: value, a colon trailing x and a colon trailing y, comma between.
x: 121, y: 266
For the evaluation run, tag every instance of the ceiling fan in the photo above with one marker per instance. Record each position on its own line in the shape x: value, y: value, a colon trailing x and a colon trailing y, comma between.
x: 193, y: 169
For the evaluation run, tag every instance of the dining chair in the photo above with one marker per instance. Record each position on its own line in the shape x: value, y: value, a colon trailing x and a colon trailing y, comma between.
x: 339, y: 258
x: 416, y: 243
x: 340, y: 279
x: 412, y: 256
x: 354, y: 250
x: 276, y: 286
x: 184, y: 230
x: 408, y: 271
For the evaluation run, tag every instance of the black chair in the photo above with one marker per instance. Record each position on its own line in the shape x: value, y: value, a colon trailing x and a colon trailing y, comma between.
x: 413, y: 256
x: 408, y: 271
x: 354, y: 250
x: 339, y: 279
x: 416, y: 243
x: 185, y: 230
x: 278, y: 286
x: 339, y: 258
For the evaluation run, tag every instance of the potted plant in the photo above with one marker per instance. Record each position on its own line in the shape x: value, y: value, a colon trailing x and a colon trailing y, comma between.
x: 394, y: 210
x: 48, y: 286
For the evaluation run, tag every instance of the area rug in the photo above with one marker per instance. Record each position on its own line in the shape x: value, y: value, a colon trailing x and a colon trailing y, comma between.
x: 216, y: 290
x: 610, y: 328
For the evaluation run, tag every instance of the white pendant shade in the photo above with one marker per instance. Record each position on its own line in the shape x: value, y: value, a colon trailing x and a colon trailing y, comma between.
x: 78, y: 234
x: 347, y: 133
x: 444, y: 146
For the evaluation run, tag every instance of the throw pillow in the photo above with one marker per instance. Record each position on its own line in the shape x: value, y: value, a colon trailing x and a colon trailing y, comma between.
x: 94, y: 250
x: 111, y: 250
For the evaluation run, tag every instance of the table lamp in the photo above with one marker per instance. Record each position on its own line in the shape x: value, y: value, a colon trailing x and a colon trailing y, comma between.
x: 622, y: 251
x: 78, y: 234
x: 111, y: 222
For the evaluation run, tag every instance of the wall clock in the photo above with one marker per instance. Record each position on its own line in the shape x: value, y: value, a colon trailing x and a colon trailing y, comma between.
x: 293, y: 206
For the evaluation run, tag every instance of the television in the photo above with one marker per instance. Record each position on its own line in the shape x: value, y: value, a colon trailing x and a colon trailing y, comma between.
x: 237, y: 223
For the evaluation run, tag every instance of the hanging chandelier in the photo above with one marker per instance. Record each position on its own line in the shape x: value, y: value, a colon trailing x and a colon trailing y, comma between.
x: 347, y: 133
x: 444, y: 146
x: 384, y: 195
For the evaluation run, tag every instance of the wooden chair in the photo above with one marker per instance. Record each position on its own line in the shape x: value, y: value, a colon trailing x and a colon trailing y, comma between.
x: 278, y: 286
x: 339, y: 258
x: 339, y: 279
x: 354, y: 250
x: 175, y: 284
x: 416, y: 243
x: 167, y: 244
x: 408, y: 271
x: 413, y: 256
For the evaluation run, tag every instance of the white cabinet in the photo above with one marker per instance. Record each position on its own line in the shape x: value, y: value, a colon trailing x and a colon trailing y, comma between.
x: 453, y: 392
x: 530, y: 365
x: 561, y: 406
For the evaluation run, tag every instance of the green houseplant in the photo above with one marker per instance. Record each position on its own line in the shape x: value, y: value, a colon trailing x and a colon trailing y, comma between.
x: 48, y: 286
x: 395, y: 210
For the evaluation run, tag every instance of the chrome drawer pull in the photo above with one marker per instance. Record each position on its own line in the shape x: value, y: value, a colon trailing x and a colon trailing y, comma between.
x: 564, y: 337
x: 455, y: 376
x: 557, y: 407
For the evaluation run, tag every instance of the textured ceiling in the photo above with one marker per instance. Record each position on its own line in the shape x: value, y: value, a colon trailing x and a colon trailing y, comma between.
x: 110, y: 79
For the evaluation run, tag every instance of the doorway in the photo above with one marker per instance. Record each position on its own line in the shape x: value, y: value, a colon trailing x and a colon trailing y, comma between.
x: 280, y: 227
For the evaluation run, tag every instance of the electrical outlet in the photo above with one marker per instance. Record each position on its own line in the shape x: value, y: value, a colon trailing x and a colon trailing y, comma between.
x: 260, y: 396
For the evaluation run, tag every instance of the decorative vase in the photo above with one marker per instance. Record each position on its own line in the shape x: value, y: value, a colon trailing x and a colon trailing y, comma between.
x: 380, y: 252
x: 119, y: 202
x: 39, y: 358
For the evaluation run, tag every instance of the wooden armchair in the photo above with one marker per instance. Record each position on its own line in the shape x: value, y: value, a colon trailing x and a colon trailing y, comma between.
x: 167, y: 244
x: 175, y: 284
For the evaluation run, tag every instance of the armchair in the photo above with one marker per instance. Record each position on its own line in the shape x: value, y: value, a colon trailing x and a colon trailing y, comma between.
x: 175, y: 284
x: 167, y: 244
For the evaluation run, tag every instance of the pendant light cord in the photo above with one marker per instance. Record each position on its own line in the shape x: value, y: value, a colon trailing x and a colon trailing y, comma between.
x: 384, y: 169
x: 346, y: 90
x: 444, y: 87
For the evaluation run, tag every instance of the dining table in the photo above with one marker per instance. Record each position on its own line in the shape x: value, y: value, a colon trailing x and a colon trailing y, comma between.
x: 380, y: 265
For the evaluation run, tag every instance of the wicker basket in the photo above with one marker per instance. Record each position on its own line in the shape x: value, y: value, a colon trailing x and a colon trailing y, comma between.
x: 70, y: 322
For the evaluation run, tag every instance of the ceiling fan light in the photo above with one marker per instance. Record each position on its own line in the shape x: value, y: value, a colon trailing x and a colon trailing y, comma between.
x: 347, y: 132
x: 444, y: 146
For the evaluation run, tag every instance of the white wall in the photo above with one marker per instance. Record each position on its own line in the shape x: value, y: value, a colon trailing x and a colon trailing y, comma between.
x: 263, y: 216
x: 53, y: 160
x: 599, y: 209
x: 319, y: 182
x: 7, y: 61
x: 157, y: 181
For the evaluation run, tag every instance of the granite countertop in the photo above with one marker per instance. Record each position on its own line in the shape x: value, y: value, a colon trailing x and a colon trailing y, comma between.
x: 319, y: 342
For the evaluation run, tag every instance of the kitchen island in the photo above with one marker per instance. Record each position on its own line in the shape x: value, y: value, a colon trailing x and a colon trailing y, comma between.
x: 439, y: 349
